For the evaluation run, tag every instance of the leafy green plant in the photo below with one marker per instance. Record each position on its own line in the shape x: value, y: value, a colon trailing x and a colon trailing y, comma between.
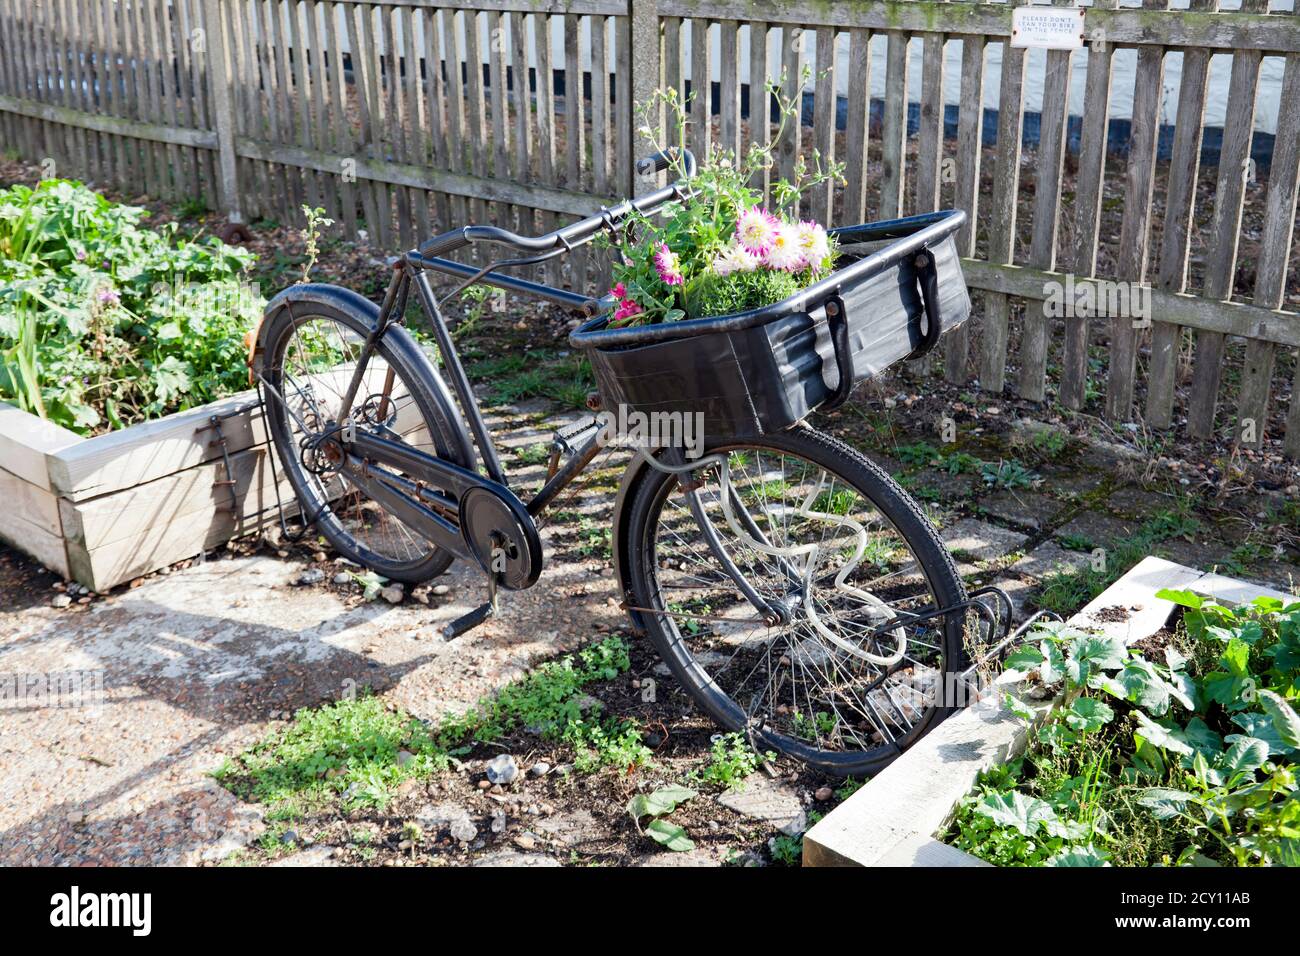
x: 316, y: 223
x: 731, y: 760
x: 657, y: 806
x: 1009, y: 474
x: 1186, y: 759
x: 349, y: 750
x: 105, y: 323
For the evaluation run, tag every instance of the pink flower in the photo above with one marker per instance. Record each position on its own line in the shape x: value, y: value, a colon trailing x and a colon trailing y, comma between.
x: 619, y: 291
x: 668, y: 265
x: 785, y: 252
x: 756, y: 231
x: 626, y: 309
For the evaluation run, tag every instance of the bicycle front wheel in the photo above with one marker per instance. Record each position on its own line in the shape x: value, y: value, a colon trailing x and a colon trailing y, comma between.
x: 849, y: 670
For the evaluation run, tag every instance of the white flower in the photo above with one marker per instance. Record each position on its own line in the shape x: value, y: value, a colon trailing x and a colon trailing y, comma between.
x: 814, y: 242
x: 734, y: 258
x: 785, y: 252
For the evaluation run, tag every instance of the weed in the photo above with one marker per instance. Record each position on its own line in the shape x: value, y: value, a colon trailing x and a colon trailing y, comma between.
x: 1009, y: 474
x: 731, y: 760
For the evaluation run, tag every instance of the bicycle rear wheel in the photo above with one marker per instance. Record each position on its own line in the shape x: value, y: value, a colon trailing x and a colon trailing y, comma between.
x: 310, y: 354
x: 852, y: 673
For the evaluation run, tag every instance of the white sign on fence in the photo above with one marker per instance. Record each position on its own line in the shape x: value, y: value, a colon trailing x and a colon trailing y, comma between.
x: 1046, y: 28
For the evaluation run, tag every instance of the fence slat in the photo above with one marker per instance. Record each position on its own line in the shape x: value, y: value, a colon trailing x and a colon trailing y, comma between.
x: 760, y: 102
x: 824, y: 94
x: 970, y: 129
x: 729, y: 87
x: 1271, y: 269
x: 1002, y: 216
x: 1046, y: 218
x: 893, y: 127
x: 599, y: 106
x: 701, y: 71
x: 1131, y: 260
x: 1220, y: 267
x: 857, y: 126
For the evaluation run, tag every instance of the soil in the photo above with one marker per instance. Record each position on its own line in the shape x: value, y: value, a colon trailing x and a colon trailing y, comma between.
x: 578, y: 819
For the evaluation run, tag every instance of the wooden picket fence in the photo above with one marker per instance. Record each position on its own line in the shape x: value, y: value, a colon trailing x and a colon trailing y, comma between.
x: 406, y: 117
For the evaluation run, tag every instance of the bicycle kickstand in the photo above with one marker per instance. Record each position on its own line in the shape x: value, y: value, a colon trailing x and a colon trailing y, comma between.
x: 467, y: 622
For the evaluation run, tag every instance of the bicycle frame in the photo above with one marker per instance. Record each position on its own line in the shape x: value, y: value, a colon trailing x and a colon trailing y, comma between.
x: 367, y: 457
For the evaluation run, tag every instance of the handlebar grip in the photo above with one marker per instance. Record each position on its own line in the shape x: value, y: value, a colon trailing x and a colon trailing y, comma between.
x: 665, y: 158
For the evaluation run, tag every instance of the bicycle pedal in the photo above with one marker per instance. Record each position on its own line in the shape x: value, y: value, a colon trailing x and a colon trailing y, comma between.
x: 467, y: 622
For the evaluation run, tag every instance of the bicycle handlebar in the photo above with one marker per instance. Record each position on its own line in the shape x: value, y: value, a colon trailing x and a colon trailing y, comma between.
x: 578, y: 231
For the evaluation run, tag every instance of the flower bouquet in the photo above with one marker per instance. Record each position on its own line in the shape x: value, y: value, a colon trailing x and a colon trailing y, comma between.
x: 734, y: 306
x: 719, y: 250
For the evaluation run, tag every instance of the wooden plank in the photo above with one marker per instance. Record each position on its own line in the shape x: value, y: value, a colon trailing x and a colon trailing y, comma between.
x: 857, y: 127
x: 701, y: 71
x: 893, y: 127
x: 1274, y: 251
x: 150, y: 450
x: 1192, y: 311
x: 1046, y: 217
x: 1184, y: 168
x: 1131, y: 260
x: 788, y: 146
x: 823, y: 134
x: 1002, y: 216
x: 575, y: 139
x: 929, y: 134
x: 1221, y: 262
x: 760, y: 103
x: 624, y: 141
x: 27, y: 442
x: 30, y: 521
x: 103, y: 123
x: 165, y: 543
x: 1087, y: 215
x: 546, y: 132
x: 600, y: 107
x: 184, y: 497
x: 970, y: 132
x: 672, y: 66
x: 455, y: 95
x: 729, y: 87
x: 523, y: 138
x: 499, y: 100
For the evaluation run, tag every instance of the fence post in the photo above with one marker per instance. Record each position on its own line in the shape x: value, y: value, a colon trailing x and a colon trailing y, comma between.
x: 219, y: 77
x: 647, y: 64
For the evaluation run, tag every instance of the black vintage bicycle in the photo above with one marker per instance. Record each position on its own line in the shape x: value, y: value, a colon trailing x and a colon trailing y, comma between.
x: 793, y: 588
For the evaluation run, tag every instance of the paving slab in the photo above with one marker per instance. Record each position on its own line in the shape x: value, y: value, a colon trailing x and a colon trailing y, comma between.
x: 190, y: 668
x: 762, y: 798
x: 976, y: 541
x: 1027, y: 509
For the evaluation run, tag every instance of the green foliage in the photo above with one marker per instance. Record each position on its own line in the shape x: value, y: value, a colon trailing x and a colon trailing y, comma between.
x: 657, y: 806
x: 349, y: 749
x: 731, y: 760
x: 1009, y: 474
x: 104, y: 323
x: 712, y: 294
x: 1188, y: 759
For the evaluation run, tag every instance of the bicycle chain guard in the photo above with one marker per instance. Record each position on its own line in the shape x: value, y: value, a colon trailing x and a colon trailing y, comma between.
x: 502, y: 537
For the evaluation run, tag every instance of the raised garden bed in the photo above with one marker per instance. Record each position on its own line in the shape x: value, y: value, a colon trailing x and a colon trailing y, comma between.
x: 897, y: 817
x: 104, y: 510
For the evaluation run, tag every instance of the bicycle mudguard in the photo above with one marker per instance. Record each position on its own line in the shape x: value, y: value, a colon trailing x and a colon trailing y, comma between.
x: 397, y: 338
